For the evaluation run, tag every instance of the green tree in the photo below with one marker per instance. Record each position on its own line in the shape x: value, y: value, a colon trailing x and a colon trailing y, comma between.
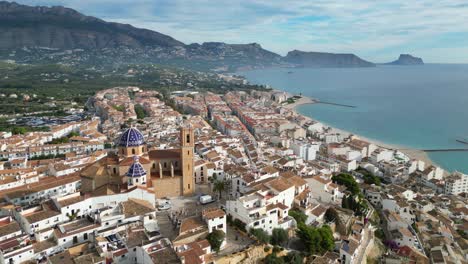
x: 261, y: 235
x: 348, y: 181
x: 345, y: 202
x: 298, y: 215
x: 273, y: 259
x: 215, y: 239
x: 316, y: 240
x: 354, y: 203
x: 19, y: 130
x: 140, y: 111
x: 293, y: 257
x: 279, y: 236
x: 219, y: 186
x: 327, y: 241
x: 73, y: 134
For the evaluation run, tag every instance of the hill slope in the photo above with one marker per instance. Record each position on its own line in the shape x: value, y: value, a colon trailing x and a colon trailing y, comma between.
x: 65, y: 28
x: 62, y: 35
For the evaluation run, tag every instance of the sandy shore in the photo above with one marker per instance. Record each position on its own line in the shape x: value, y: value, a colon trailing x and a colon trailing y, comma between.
x: 412, y: 153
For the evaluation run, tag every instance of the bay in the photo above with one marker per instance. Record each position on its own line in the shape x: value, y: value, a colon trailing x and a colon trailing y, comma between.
x: 420, y: 107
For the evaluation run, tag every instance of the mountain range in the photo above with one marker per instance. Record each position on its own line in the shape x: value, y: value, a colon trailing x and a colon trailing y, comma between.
x: 33, y: 34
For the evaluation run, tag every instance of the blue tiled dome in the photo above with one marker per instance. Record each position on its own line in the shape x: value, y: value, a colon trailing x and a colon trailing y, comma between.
x: 132, y: 137
x: 136, y: 169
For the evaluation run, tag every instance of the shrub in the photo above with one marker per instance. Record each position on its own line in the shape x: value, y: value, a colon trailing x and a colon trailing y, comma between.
x: 260, y: 234
x: 316, y: 240
x: 273, y: 259
x: 215, y: 239
x: 240, y: 225
x: 279, y: 236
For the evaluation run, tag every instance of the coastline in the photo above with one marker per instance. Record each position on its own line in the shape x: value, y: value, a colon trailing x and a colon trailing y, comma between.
x: 302, y: 101
x: 410, y: 152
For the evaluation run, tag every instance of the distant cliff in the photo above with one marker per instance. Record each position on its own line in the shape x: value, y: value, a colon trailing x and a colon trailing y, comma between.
x: 323, y: 59
x: 407, y: 59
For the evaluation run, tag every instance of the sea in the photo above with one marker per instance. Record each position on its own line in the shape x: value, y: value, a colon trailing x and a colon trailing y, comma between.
x: 419, y: 107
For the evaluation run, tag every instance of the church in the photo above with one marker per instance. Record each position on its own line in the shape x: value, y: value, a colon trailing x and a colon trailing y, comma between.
x: 166, y: 172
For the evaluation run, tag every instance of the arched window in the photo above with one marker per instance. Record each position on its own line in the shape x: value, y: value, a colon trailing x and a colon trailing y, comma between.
x: 115, y: 170
x: 133, y: 151
x: 142, y: 149
x: 154, y: 165
x: 188, y: 138
x: 165, y: 165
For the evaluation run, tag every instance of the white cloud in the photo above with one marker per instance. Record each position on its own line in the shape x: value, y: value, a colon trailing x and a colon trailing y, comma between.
x: 376, y: 30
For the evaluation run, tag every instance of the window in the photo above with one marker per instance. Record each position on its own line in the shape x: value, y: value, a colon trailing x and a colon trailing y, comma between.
x: 115, y: 170
x: 165, y: 165
x: 176, y: 164
x: 154, y: 165
x: 189, y: 186
x: 133, y: 151
x: 85, y: 236
x: 188, y: 138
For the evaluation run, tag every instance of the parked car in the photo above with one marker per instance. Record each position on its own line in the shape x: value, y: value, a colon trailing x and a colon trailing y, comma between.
x: 206, y: 199
x: 164, y: 207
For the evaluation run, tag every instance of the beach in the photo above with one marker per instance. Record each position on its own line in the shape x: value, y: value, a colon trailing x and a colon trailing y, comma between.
x: 412, y: 153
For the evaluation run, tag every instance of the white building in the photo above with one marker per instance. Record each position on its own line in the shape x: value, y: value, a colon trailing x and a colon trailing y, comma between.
x: 215, y: 219
x: 306, y: 151
x: 456, y: 183
x: 265, y: 207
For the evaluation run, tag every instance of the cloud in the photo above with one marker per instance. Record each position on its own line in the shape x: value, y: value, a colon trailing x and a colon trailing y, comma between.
x: 375, y: 30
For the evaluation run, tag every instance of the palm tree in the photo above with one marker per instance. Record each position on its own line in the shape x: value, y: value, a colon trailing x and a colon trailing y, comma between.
x: 219, y: 186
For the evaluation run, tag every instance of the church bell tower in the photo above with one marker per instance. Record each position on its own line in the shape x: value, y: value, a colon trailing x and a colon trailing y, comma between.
x: 186, y: 148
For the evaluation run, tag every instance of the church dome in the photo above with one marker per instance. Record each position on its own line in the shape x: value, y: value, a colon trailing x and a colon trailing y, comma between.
x: 136, y: 169
x: 132, y: 137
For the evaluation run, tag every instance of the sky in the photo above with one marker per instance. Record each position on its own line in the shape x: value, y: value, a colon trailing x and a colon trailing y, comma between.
x: 375, y: 30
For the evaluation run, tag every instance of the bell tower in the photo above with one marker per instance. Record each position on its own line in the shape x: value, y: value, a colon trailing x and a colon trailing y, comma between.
x: 186, y: 147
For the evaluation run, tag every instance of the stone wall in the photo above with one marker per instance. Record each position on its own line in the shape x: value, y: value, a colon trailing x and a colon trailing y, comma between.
x: 167, y: 186
x: 251, y: 255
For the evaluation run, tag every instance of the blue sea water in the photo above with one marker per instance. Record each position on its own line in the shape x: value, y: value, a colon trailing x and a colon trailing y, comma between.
x: 422, y: 107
